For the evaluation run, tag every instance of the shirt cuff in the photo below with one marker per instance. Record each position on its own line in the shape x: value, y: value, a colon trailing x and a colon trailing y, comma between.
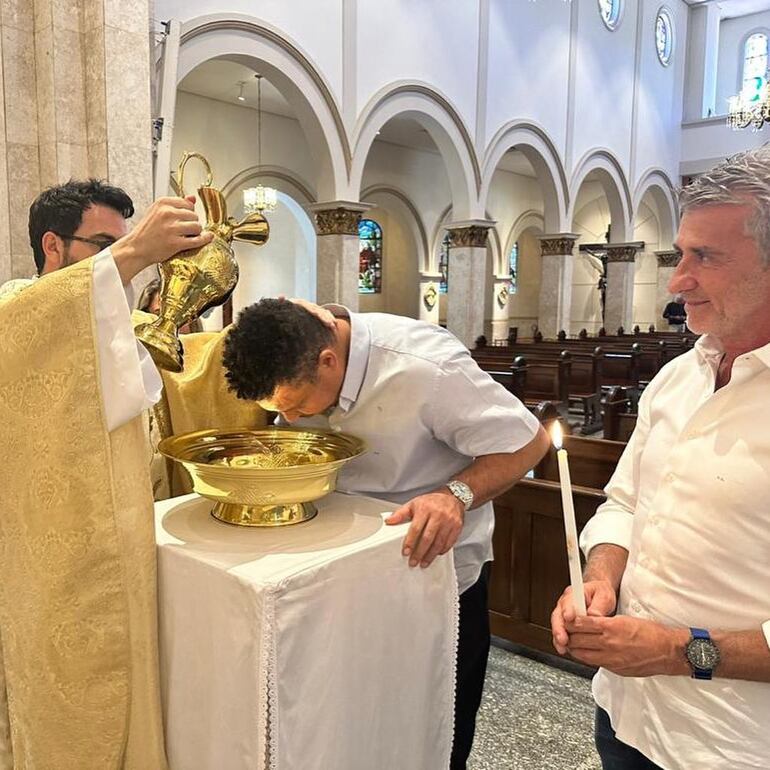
x: 613, y: 526
x: 130, y: 382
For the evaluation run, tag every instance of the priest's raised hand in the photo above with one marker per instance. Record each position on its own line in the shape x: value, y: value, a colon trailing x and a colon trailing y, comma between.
x: 170, y: 225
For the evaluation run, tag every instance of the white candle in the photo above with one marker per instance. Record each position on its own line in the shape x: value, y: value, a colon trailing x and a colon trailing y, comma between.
x: 570, y: 529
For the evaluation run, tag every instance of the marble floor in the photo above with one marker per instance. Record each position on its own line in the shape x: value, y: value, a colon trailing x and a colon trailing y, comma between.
x: 533, y: 717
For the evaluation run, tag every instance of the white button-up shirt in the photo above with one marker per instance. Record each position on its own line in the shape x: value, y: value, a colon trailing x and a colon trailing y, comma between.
x: 690, y: 501
x: 426, y: 410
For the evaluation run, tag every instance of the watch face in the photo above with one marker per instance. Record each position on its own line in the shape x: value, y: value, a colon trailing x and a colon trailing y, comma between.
x: 462, y: 492
x: 702, y: 653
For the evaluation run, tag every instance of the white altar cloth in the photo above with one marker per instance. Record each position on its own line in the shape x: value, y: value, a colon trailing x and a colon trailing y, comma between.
x: 306, y: 647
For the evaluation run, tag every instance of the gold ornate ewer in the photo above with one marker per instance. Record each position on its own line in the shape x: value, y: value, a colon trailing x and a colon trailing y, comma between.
x: 196, y: 280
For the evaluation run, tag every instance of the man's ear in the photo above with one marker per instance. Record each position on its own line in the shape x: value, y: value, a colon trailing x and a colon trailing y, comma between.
x: 53, y: 248
x: 327, y: 359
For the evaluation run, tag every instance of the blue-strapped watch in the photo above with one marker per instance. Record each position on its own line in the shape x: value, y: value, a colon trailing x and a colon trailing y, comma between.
x: 702, y: 654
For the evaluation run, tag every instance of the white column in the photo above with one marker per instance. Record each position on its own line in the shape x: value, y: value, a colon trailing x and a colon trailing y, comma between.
x: 429, y: 297
x: 467, y: 274
x: 337, y: 251
x: 500, y: 300
x: 667, y: 262
x: 555, y: 304
x: 619, y: 307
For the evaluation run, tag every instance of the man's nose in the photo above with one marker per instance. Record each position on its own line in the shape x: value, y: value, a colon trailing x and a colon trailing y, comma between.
x: 682, y: 279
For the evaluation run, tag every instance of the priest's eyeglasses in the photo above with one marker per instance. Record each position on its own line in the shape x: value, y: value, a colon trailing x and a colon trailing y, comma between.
x: 101, y: 243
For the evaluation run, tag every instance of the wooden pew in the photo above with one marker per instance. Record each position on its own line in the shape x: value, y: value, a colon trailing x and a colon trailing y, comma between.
x: 583, y: 387
x: 530, y: 569
x: 619, y: 420
x: 544, y: 379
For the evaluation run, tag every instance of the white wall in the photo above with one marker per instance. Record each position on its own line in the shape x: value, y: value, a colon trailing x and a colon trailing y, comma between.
x: 647, y: 229
x: 432, y: 41
x: 657, y: 137
x: 286, y: 264
x: 227, y: 135
x: 523, y: 304
x: 527, y: 65
x: 604, y: 83
x: 316, y: 27
x: 708, y: 142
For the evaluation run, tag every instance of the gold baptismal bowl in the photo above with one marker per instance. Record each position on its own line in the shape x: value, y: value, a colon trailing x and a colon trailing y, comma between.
x: 267, y: 477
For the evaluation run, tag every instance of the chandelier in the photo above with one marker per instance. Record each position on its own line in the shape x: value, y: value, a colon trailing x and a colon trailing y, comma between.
x: 749, y: 109
x: 259, y: 198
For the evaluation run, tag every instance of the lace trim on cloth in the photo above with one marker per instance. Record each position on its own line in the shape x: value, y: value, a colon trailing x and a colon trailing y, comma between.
x: 452, y: 648
x: 268, y: 688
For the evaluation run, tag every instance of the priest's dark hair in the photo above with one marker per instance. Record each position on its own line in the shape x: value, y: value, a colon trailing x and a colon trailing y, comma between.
x: 273, y: 342
x: 59, y: 209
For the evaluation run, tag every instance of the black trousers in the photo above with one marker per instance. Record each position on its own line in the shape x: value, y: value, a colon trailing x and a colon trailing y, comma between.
x: 615, y: 754
x: 472, y: 655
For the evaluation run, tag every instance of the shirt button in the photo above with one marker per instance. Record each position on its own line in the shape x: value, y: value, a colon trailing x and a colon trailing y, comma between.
x: 636, y: 607
x: 670, y: 477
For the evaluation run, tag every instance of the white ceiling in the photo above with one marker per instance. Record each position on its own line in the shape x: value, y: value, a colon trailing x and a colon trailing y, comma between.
x: 219, y: 79
x: 729, y: 9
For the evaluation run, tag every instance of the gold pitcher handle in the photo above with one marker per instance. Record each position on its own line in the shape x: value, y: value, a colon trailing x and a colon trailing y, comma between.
x: 180, y: 171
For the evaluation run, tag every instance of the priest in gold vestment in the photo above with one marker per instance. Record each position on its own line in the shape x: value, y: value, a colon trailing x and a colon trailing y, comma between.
x: 78, y: 629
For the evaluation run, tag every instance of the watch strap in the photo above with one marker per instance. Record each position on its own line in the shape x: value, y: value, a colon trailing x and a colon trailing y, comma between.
x: 700, y: 673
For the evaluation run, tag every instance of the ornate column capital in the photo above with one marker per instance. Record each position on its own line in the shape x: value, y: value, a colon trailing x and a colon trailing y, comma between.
x: 668, y: 258
x: 470, y: 234
x: 338, y: 217
x: 557, y: 244
x: 623, y: 252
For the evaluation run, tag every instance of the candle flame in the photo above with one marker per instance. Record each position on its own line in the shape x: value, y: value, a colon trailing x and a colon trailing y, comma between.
x: 556, y: 434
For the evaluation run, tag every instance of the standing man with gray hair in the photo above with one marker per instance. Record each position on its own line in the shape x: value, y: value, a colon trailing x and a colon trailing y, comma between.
x: 676, y: 581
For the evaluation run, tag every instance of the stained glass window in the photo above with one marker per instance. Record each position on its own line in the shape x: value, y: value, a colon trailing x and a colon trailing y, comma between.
x: 664, y: 36
x: 610, y: 12
x: 443, y: 264
x: 369, y: 257
x: 754, y: 84
x: 513, y: 267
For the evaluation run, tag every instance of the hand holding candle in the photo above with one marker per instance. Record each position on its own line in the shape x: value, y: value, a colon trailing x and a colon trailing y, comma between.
x: 570, y: 529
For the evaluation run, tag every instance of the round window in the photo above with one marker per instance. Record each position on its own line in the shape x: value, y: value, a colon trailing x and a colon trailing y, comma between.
x: 610, y: 11
x: 664, y: 36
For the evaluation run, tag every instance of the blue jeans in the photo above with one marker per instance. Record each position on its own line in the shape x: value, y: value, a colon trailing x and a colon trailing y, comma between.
x: 615, y: 754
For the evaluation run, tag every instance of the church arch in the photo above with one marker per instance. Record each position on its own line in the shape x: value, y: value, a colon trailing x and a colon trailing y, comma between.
x: 542, y: 154
x: 655, y: 183
x: 605, y: 168
x: 251, y: 41
x: 433, y: 112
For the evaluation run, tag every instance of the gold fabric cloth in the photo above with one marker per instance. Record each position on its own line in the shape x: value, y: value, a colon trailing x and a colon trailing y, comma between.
x: 78, y: 623
x: 196, y: 398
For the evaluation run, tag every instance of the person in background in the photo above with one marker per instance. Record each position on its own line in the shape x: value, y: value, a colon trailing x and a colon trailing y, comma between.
x: 675, y: 314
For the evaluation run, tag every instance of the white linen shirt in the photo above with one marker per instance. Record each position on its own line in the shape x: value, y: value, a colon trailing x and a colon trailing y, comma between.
x: 426, y: 410
x: 690, y: 501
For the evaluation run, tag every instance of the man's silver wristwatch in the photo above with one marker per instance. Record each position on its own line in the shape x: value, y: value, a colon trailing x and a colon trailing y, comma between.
x: 462, y: 492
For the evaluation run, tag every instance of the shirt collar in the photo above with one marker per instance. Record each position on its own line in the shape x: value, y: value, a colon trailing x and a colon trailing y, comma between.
x: 358, y: 358
x: 709, y: 348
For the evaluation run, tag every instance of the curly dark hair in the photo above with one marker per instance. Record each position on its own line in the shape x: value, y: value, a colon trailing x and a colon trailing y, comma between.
x: 272, y: 343
x: 60, y: 209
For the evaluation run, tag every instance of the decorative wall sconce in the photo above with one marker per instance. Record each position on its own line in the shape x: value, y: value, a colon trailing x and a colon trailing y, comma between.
x: 430, y: 296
